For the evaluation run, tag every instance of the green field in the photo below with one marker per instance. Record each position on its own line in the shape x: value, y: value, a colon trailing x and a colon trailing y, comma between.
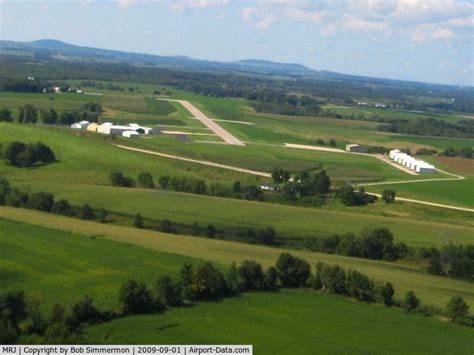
x: 138, y: 104
x: 289, y: 221
x: 53, y: 265
x: 368, y: 111
x: 89, y: 158
x: 291, y: 322
x: 432, y: 290
x: 263, y: 157
x: 59, y: 266
x: 457, y: 192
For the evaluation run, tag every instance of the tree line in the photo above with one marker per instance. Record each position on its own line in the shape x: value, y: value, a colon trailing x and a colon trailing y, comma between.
x: 371, y: 243
x: 430, y: 127
x: 464, y: 152
x: 224, y: 84
x: 30, y: 114
x: 45, y: 202
x: 22, y: 320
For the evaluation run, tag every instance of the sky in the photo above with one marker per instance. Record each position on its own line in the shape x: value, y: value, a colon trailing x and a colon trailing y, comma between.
x: 419, y: 40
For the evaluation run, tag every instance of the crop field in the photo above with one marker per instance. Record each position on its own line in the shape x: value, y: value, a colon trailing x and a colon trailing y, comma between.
x: 138, y: 104
x: 433, y: 290
x: 459, y: 165
x: 62, y: 266
x: 59, y: 102
x: 290, y: 322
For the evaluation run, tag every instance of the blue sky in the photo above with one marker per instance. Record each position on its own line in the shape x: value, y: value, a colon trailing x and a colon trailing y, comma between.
x: 422, y: 40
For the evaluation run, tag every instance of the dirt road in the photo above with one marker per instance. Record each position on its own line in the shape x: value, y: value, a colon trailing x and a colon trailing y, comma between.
x: 202, y: 162
x: 268, y: 175
x: 428, y: 203
x: 209, y: 123
x: 311, y: 147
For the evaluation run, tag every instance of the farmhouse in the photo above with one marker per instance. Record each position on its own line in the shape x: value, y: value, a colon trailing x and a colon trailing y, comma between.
x: 355, y: 148
x: 80, y: 125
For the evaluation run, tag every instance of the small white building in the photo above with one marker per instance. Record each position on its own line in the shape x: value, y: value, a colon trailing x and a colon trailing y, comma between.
x: 130, y: 134
x: 267, y: 187
x: 80, y: 125
x: 410, y: 162
x: 392, y: 153
x: 425, y: 168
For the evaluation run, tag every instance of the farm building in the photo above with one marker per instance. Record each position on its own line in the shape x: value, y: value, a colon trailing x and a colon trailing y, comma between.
x: 130, y: 134
x: 80, y: 125
x: 104, y: 128
x: 141, y: 129
x: 118, y: 130
x: 92, y: 127
x: 355, y: 148
x: 410, y: 162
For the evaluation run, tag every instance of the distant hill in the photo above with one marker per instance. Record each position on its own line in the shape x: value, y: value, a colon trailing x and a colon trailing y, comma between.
x: 61, y: 50
x: 49, y: 49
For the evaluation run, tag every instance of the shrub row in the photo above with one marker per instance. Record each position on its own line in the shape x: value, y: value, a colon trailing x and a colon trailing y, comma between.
x: 203, y: 283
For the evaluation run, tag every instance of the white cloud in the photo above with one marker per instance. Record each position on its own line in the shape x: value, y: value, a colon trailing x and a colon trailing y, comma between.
x: 197, y: 4
x: 417, y: 11
x: 123, y: 4
x: 305, y: 15
x: 461, y: 22
x: 427, y: 32
x: 256, y: 17
x: 365, y: 25
x: 443, y: 33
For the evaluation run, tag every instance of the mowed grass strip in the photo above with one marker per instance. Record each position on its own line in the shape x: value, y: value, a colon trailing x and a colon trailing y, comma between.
x: 62, y: 266
x: 431, y: 289
x: 225, y: 213
x: 291, y: 322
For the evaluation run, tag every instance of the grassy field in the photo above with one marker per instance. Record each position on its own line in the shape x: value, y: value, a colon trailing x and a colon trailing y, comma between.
x: 63, y: 266
x: 431, y: 289
x: 57, y: 266
x: 89, y: 158
x: 138, y: 104
x: 389, y: 113
x: 457, y: 192
x: 290, y: 322
x: 289, y: 129
x: 59, y: 102
x: 289, y: 221
x: 263, y: 157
